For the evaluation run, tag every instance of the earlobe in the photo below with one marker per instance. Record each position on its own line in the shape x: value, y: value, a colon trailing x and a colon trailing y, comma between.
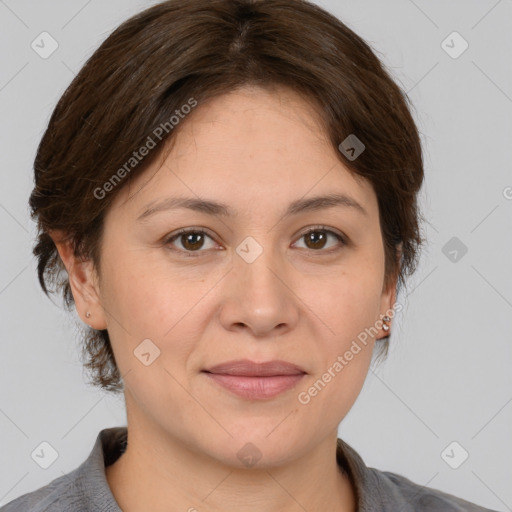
x: 387, y: 306
x: 83, y: 282
x: 388, y: 302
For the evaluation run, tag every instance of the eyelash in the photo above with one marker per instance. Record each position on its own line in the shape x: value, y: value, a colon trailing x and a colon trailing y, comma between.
x: 168, y: 241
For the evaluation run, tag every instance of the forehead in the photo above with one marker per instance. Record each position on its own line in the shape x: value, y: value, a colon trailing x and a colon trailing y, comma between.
x: 250, y: 148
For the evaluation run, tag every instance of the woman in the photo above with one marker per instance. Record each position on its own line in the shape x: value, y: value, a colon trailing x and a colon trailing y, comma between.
x: 231, y: 187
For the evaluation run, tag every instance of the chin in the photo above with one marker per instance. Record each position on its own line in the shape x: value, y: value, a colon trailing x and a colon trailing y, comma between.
x: 253, y: 447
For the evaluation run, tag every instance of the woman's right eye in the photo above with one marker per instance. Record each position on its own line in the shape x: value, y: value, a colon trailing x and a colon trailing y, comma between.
x: 191, y: 240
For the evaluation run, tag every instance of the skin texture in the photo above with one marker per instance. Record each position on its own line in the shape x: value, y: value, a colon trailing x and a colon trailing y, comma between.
x: 256, y: 150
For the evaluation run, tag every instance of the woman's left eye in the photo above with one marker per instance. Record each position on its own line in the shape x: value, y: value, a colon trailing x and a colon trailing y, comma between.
x: 318, y: 236
x: 192, y: 240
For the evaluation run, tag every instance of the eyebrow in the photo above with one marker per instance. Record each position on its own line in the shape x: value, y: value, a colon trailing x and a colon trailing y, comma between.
x: 214, y: 208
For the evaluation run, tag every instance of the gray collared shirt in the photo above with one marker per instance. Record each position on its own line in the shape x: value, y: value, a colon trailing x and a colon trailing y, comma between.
x: 86, y: 488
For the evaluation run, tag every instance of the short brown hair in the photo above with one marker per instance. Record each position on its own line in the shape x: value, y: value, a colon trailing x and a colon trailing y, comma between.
x: 154, y: 62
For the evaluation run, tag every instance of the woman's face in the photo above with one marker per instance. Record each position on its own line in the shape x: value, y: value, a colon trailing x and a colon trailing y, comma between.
x: 250, y: 286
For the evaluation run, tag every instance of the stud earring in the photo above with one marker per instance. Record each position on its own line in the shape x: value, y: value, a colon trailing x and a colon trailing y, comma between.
x: 386, y: 320
x: 88, y: 314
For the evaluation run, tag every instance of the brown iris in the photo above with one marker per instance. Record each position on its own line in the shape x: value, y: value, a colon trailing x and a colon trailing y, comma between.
x: 317, y: 239
x: 192, y: 241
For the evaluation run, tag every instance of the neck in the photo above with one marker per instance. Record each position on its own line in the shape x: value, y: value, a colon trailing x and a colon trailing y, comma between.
x: 152, y: 475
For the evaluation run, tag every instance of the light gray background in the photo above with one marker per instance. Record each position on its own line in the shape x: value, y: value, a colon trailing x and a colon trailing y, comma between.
x: 448, y: 377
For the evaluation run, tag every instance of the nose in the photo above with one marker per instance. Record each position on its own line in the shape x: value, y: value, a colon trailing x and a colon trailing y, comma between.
x: 259, y: 296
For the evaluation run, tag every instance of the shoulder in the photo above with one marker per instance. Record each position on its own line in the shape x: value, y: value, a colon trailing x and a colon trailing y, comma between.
x: 424, y: 499
x: 390, y: 492
x: 84, y: 489
x: 61, y: 494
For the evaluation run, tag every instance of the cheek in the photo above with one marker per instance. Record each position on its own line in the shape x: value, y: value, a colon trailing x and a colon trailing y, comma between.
x: 145, y: 301
x: 147, y: 297
x: 347, y: 311
x: 347, y: 302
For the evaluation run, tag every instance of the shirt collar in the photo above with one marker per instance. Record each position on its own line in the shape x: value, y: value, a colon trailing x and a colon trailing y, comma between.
x: 110, y: 444
x: 373, y: 490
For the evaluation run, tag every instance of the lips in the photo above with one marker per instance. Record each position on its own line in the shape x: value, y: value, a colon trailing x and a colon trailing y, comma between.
x: 255, y: 381
x: 247, y: 368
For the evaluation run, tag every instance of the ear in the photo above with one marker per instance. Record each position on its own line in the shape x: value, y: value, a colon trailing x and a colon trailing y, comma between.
x: 83, y: 281
x: 388, y: 297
